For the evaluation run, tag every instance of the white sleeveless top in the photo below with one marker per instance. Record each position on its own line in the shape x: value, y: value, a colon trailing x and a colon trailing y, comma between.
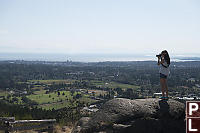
x: 163, y: 69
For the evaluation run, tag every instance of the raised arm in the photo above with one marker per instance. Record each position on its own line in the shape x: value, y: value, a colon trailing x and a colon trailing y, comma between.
x: 160, y: 60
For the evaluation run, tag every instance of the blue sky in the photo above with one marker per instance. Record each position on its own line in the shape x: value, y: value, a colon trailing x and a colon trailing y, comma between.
x: 99, y: 26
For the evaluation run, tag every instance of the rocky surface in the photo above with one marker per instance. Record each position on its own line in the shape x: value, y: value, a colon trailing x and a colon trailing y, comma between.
x: 135, y: 116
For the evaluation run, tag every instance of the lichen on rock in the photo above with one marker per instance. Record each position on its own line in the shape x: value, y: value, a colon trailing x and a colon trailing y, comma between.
x: 139, y: 116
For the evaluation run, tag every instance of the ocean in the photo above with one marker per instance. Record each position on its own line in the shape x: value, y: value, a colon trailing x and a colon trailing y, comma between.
x: 89, y: 57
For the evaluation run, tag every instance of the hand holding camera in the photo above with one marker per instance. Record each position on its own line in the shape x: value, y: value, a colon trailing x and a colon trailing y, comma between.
x: 158, y: 56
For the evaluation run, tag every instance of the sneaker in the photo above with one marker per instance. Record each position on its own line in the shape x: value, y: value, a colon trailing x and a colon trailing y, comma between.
x: 161, y: 97
x: 166, y: 98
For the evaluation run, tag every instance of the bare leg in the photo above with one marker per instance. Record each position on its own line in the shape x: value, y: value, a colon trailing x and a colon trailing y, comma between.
x: 166, y: 87
x: 162, y: 86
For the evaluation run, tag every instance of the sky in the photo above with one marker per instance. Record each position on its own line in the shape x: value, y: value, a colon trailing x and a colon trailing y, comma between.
x: 100, y: 26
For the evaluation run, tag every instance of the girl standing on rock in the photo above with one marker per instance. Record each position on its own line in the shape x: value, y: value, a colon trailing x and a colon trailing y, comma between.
x: 164, y: 62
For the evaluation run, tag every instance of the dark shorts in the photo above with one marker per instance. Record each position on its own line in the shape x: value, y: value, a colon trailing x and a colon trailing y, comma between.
x: 163, y: 76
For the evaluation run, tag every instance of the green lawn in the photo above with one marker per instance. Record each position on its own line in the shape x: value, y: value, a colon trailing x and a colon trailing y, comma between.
x: 66, y: 103
x: 113, y: 84
x: 52, y: 100
x: 41, y: 98
x: 51, y: 81
x: 3, y: 93
x: 86, y: 99
x: 56, y: 105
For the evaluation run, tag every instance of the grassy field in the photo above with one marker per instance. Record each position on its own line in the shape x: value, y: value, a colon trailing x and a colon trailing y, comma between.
x: 65, y: 99
x: 113, y: 84
x: 41, y: 98
x: 93, y: 82
x: 98, y: 92
x: 86, y: 99
x: 3, y: 93
x: 52, y: 100
x: 51, y: 81
x: 57, y: 105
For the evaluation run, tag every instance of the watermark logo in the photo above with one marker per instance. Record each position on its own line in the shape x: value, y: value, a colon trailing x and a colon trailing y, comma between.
x: 193, y: 117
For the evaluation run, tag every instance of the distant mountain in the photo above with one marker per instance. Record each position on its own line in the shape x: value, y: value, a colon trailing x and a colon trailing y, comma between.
x: 189, y: 58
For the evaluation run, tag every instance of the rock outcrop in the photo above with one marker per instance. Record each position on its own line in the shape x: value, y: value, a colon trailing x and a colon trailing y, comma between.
x: 135, y: 116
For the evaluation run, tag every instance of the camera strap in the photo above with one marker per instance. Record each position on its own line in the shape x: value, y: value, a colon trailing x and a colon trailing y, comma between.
x: 165, y: 66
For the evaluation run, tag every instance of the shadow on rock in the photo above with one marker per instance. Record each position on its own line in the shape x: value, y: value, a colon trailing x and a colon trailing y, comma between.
x: 163, y: 111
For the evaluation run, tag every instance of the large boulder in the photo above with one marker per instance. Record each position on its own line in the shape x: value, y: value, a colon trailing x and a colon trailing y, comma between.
x: 136, y: 116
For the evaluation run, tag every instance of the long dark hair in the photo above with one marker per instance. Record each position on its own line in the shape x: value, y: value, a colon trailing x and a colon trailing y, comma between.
x: 167, y: 58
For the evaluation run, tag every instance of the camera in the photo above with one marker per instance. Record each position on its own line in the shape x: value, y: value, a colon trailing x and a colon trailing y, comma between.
x: 159, y: 55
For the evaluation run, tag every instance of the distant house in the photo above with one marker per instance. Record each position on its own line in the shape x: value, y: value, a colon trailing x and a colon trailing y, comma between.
x: 191, y: 79
x: 91, y: 108
x: 185, y: 98
x: 24, y: 92
x: 197, y: 85
x: 92, y: 73
x: 12, y: 92
x: 192, y: 95
x: 189, y: 97
x: 78, y: 90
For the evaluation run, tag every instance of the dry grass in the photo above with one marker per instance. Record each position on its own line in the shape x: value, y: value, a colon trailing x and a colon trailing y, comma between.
x: 64, y: 129
x: 57, y: 129
x: 28, y: 131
